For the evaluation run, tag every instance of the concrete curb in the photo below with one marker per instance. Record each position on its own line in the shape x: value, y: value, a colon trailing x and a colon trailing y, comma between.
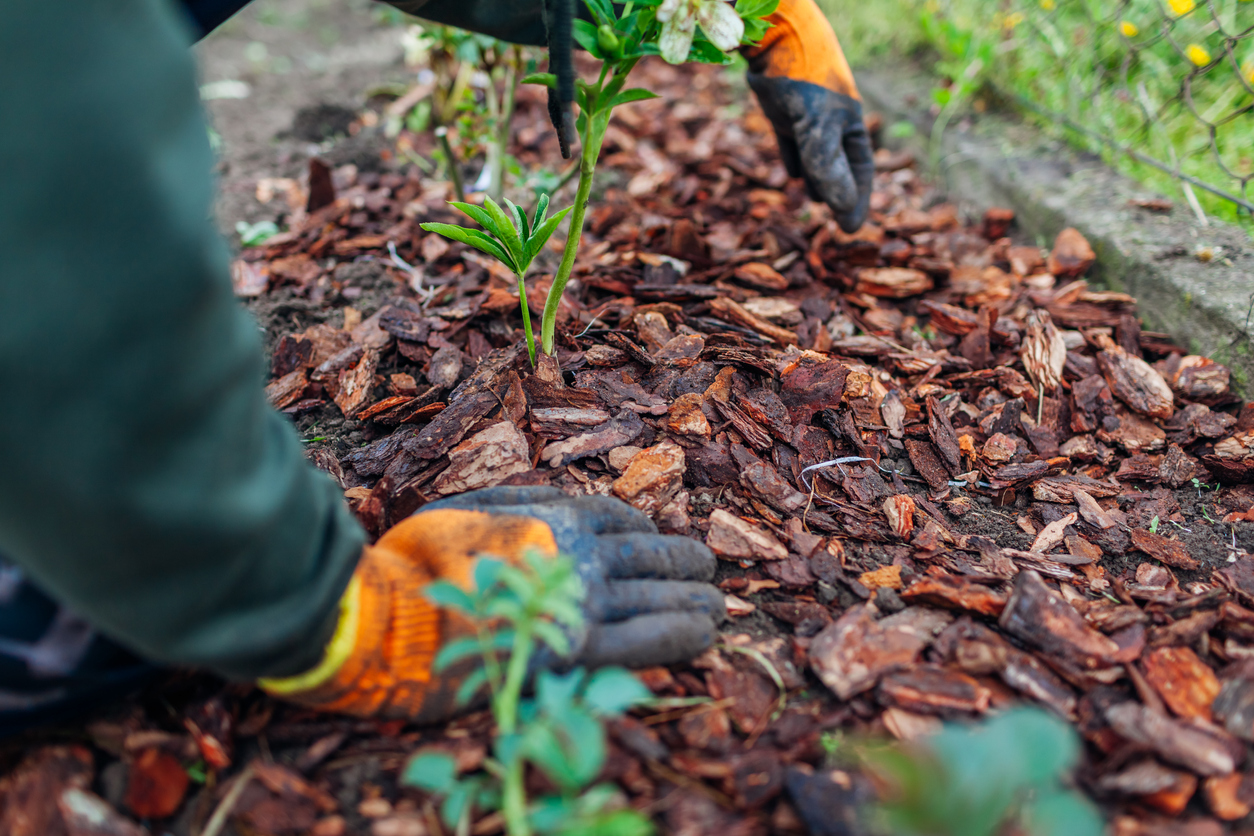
x: 992, y: 160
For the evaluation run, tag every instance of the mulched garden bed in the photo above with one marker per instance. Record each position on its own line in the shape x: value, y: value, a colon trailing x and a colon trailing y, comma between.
x: 1032, y: 500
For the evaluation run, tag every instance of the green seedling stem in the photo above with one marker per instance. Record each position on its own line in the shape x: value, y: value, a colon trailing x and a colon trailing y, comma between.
x: 596, y: 119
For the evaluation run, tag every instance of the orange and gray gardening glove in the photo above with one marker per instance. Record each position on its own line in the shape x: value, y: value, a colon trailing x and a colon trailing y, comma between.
x: 648, y: 600
x: 807, y: 91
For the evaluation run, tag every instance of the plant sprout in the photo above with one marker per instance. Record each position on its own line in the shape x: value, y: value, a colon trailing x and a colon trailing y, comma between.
x: 513, y: 241
x: 678, y: 30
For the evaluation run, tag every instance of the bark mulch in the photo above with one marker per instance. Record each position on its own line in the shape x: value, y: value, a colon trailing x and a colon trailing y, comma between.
x: 944, y: 474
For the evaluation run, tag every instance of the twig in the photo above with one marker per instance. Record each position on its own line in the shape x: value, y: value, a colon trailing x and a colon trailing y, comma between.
x: 218, y: 820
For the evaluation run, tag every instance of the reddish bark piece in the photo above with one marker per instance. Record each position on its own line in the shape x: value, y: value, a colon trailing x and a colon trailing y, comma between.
x: 893, y: 282
x: 248, y: 279
x: 485, y: 459
x: 810, y: 384
x: 955, y: 593
x: 853, y: 653
x: 1071, y: 254
x: 1041, y: 618
x: 733, y: 538
x: 761, y: 276
x: 288, y: 784
x: 885, y: 577
x: 285, y: 391
x: 900, y: 513
x: 1226, y: 796
x: 929, y: 689
x: 321, y: 186
x: 731, y: 311
x: 156, y: 785
x: 979, y: 651
x: 927, y: 463
x: 386, y: 405
x: 997, y: 219
x: 1164, y: 789
x: 1171, y: 552
x: 943, y: 436
x: 1200, y: 378
x: 1187, y: 684
x: 614, y: 435
x: 653, y: 477
x: 1197, y: 749
x: 1053, y: 534
x: 355, y: 385
x: 473, y: 399
x: 687, y: 418
x: 1135, y: 382
x: 1044, y: 353
x: 1090, y: 510
x: 757, y: 778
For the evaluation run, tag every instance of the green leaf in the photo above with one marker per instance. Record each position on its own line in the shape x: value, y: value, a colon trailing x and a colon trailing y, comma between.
x: 480, y: 216
x: 520, y: 220
x: 541, y: 746
x: 1062, y: 814
x: 635, y: 94
x: 545, y: 79
x: 508, y: 234
x: 454, y: 652
x: 545, y: 231
x: 542, y: 209
x: 250, y: 235
x: 457, y: 803
x: 585, y: 743
x: 555, y: 693
x: 602, y: 10
x: 586, y: 36
x: 486, y: 571
x: 473, y: 238
x: 755, y: 9
x: 614, y: 690
x: 552, y: 635
x: 430, y: 771
x: 469, y: 688
x: 622, y: 822
x: 445, y: 594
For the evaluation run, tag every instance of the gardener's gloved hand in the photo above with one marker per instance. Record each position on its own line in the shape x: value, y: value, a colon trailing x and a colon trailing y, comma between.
x: 648, y: 601
x: 806, y: 88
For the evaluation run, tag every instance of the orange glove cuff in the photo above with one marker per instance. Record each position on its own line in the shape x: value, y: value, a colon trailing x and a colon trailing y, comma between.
x: 802, y: 46
x: 378, y: 663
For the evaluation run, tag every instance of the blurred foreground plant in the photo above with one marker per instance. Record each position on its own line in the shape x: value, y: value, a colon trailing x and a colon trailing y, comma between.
x: 983, y: 780
x: 519, y: 611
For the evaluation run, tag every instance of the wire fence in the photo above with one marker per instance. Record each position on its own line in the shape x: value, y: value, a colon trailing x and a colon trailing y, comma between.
x: 1166, y: 87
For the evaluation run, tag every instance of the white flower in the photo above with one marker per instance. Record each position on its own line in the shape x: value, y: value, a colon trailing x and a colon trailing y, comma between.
x: 679, y: 20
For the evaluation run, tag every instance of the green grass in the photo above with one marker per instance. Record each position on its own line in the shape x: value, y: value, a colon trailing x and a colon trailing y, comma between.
x: 1105, y: 65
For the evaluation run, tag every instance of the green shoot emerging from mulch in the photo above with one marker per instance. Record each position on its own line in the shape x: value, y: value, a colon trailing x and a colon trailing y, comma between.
x: 520, y: 612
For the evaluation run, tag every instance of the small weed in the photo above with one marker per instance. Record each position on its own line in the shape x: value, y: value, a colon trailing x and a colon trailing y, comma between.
x: 518, y: 611
x: 1002, y: 776
x: 1153, y: 526
x: 252, y: 235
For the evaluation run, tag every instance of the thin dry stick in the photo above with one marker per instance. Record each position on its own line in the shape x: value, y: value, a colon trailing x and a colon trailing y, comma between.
x: 218, y: 820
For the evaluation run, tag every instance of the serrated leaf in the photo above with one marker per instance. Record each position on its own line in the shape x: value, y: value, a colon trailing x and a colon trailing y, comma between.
x: 585, y: 34
x: 474, y: 238
x: 469, y: 687
x: 635, y: 94
x: 614, y: 690
x: 430, y: 771
x: 455, y: 651
x: 445, y: 594
x: 545, y: 79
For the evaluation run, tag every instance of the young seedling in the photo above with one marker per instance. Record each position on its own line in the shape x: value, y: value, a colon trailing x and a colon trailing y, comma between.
x: 1004, y: 776
x: 679, y: 31
x: 511, y: 239
x: 520, y: 611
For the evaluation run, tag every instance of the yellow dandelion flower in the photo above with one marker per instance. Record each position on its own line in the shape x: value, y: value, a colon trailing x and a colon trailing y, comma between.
x: 1129, y: 29
x: 1180, y: 8
x: 1197, y: 54
x: 1247, y: 71
x: 1048, y: 5
x: 1013, y: 19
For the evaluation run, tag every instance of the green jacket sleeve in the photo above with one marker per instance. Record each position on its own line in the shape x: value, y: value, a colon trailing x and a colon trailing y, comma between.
x: 144, y: 482
x: 515, y: 21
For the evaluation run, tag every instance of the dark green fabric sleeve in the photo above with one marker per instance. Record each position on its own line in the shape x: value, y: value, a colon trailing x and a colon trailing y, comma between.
x: 515, y: 21
x: 144, y: 482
